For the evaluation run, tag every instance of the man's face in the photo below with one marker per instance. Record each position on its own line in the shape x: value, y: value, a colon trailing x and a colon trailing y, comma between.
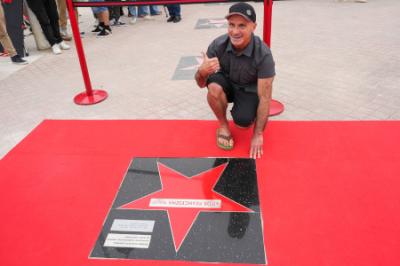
x: 239, y: 31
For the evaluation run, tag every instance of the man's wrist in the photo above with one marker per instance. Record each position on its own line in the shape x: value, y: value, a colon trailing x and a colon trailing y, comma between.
x: 258, y: 133
x: 258, y: 130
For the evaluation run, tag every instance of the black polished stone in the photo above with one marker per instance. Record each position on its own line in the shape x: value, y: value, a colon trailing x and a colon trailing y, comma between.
x: 234, y: 237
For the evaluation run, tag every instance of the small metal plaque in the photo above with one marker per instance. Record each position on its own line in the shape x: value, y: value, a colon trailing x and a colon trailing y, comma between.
x: 127, y: 241
x: 123, y: 225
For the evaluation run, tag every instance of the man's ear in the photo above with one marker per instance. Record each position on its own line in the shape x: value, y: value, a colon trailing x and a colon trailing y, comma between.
x: 255, y: 26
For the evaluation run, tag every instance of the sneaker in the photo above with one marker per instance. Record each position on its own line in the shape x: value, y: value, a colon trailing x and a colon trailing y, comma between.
x: 103, y: 33
x: 133, y: 20
x: 97, y: 29
x: 64, y: 46
x: 171, y: 18
x: 108, y: 29
x: 56, y: 49
x: 177, y: 19
x: 64, y: 35
x: 118, y: 23
x: 361, y: 1
x: 16, y: 59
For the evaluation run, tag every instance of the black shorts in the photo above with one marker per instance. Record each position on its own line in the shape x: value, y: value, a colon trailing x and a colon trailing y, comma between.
x: 245, y: 103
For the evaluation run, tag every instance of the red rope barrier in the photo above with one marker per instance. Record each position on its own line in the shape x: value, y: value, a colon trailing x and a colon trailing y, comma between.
x: 141, y: 3
x: 276, y: 107
x: 90, y: 96
x: 95, y: 96
x: 267, y: 22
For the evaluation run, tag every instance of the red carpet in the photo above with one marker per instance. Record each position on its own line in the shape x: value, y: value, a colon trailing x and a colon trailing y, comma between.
x: 330, y: 191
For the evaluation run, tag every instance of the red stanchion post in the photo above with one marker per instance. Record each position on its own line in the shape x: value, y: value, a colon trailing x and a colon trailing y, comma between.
x: 267, y: 21
x: 275, y: 107
x: 90, y: 96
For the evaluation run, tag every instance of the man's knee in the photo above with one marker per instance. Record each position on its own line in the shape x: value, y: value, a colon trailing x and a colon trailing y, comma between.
x: 243, y: 120
x: 215, y: 91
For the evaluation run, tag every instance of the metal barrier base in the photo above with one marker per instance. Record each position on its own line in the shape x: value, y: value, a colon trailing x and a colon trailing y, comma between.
x: 84, y: 99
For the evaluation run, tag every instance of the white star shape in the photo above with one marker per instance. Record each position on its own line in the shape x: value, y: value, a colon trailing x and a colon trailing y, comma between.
x: 199, y: 60
x: 216, y: 22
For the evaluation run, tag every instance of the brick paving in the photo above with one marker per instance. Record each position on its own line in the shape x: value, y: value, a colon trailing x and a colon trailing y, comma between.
x: 335, y: 61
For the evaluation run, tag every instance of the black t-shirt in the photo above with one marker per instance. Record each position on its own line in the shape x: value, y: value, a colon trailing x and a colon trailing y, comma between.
x: 254, y: 62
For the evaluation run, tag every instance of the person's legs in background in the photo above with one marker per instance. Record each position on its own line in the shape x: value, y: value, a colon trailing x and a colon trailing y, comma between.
x: 154, y: 10
x: 115, y: 15
x: 37, y: 7
x: 144, y: 12
x: 133, y: 12
x: 63, y: 21
x: 174, y: 11
x: 104, y: 23
x: 47, y: 15
x: 101, y: 13
x: 52, y: 13
x: 6, y: 41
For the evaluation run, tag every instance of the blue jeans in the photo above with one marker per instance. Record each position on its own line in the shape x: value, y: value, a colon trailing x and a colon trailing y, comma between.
x: 154, y: 10
x: 143, y: 10
x: 133, y: 10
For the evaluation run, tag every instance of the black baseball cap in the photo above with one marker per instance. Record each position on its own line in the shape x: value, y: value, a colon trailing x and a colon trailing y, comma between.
x: 242, y: 9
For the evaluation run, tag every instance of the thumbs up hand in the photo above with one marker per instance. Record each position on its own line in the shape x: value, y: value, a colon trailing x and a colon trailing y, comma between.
x: 209, y: 65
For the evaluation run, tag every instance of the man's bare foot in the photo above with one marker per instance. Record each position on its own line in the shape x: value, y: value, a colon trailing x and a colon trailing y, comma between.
x: 224, y: 139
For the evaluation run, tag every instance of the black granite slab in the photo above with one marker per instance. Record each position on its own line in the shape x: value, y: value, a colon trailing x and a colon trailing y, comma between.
x: 231, y: 237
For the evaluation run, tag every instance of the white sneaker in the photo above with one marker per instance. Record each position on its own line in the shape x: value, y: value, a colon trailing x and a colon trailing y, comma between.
x: 56, y: 49
x: 64, y: 46
x: 133, y: 20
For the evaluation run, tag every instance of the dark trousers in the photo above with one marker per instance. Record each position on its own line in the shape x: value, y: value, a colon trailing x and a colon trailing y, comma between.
x: 115, y: 11
x: 174, y: 10
x: 47, y: 14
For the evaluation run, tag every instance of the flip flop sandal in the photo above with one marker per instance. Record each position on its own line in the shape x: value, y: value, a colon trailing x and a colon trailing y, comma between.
x: 222, y: 146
